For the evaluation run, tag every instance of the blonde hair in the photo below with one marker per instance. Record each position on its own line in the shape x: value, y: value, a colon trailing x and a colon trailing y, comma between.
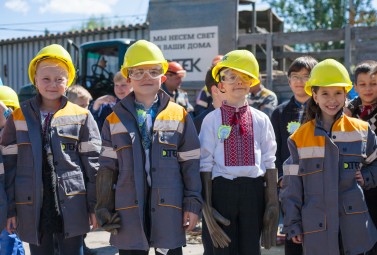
x: 77, y: 91
x: 119, y: 77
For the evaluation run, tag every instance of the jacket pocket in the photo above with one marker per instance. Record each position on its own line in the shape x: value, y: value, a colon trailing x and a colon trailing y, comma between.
x: 23, y: 191
x: 356, y: 148
x: 125, y: 197
x: 121, y: 142
x: 313, y: 220
x: 169, y: 138
x: 73, y: 183
x: 71, y: 131
x: 354, y: 202
x: 311, y: 171
x: 170, y: 198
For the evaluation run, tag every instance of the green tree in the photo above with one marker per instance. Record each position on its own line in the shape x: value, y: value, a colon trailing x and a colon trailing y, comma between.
x: 301, y: 15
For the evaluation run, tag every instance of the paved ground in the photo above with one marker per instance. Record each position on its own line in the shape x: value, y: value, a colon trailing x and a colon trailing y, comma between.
x: 99, y: 240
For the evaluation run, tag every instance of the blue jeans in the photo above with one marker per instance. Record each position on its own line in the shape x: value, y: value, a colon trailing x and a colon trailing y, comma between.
x: 69, y: 246
x: 10, y: 244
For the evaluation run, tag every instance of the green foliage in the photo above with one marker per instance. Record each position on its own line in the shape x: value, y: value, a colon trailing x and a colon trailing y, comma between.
x: 302, y: 15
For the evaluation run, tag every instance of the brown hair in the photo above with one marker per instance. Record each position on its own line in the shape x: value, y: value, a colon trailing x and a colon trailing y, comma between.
x: 307, y: 62
x: 77, y: 91
x: 119, y: 77
x: 364, y: 67
x: 374, y: 71
x: 210, y: 81
x: 312, y: 108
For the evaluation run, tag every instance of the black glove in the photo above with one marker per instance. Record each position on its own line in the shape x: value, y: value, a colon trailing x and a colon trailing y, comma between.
x: 106, y: 216
x: 271, y: 213
x: 212, y: 216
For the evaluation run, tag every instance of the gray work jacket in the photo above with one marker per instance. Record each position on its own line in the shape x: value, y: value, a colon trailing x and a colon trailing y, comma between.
x: 174, y: 168
x: 321, y: 198
x: 75, y: 144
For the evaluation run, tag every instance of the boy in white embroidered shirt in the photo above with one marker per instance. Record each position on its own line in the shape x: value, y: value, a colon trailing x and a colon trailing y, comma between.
x: 237, y: 157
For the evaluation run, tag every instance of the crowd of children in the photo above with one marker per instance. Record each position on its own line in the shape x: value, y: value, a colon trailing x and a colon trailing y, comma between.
x: 137, y: 164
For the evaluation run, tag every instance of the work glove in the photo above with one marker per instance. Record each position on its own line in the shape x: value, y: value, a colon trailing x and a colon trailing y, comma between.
x: 212, y: 216
x: 271, y: 213
x: 107, y: 218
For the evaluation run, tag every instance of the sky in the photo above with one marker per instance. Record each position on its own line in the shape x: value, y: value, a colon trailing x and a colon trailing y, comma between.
x: 22, y: 18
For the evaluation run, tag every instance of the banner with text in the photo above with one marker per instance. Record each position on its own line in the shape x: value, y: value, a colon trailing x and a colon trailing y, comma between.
x: 194, y: 48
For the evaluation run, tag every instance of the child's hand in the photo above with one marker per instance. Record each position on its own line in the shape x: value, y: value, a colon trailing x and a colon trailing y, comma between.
x: 93, y: 221
x: 359, y: 178
x: 107, y: 99
x: 11, y: 225
x: 297, y: 239
x: 190, y: 220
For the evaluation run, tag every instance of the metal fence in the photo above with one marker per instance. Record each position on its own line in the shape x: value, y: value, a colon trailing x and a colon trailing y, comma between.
x: 15, y: 54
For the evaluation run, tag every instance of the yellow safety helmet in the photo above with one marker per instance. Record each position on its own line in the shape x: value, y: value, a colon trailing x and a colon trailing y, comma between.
x: 143, y: 52
x: 53, y: 51
x: 328, y: 73
x: 241, y: 60
x: 9, y: 97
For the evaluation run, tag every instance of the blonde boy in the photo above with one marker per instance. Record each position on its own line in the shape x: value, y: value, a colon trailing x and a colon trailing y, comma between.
x: 77, y: 94
x: 50, y: 150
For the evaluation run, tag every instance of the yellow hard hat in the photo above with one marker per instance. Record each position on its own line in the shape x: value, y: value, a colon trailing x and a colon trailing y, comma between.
x: 53, y: 51
x: 239, y: 60
x: 328, y: 73
x: 143, y: 52
x: 9, y: 97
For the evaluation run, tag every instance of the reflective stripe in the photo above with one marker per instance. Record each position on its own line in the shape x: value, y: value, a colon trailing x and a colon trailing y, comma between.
x: 117, y: 128
x: 94, y: 145
x: 188, y: 155
x: 371, y: 157
x: 20, y: 125
x: 311, y: 152
x: 352, y: 136
x: 169, y: 125
x: 108, y: 152
x: 10, y: 149
x: 290, y: 169
x: 1, y: 168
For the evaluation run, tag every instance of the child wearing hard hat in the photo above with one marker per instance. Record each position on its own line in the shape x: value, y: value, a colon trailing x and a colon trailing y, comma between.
x: 285, y: 119
x: 148, y: 183
x: 237, y: 163
x: 332, y: 159
x: 9, y: 243
x: 50, y: 150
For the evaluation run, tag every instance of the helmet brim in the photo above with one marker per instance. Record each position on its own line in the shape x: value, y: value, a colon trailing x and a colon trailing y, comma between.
x: 219, y: 66
x: 347, y: 87
x: 33, y: 67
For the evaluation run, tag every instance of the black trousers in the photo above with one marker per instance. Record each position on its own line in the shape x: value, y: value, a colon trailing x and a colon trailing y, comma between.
x: 177, y: 251
x: 242, y: 202
x: 206, y: 239
x: 291, y: 248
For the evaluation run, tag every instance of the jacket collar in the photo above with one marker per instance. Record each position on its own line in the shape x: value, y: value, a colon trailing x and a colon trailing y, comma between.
x: 128, y: 102
x: 319, y: 126
x: 36, y: 103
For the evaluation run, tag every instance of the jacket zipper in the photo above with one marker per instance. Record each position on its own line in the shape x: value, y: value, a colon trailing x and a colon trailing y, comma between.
x: 56, y: 173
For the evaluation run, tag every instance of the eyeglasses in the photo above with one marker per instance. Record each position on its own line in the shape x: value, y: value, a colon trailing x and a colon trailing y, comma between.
x: 296, y: 78
x: 138, y: 74
x: 230, y: 77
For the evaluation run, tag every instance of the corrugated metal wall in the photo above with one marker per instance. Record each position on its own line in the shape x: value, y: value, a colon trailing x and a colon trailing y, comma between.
x: 16, y: 54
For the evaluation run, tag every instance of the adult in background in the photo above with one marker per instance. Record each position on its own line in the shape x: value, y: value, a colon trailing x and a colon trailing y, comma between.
x: 172, y: 86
